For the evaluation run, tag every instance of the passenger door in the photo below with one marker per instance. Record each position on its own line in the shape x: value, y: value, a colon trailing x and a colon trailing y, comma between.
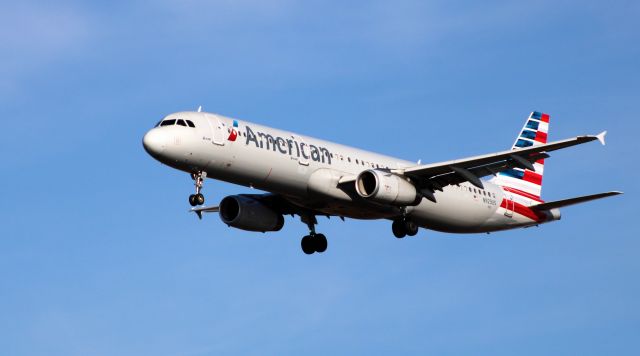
x: 508, y: 212
x: 217, y: 129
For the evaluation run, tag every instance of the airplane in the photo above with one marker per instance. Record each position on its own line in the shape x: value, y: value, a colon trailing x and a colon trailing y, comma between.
x: 309, y: 177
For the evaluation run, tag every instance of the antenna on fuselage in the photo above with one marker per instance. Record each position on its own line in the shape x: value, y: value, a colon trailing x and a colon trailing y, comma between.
x: 200, y: 108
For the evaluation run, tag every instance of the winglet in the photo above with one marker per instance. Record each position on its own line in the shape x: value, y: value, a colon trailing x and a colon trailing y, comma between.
x: 600, y: 137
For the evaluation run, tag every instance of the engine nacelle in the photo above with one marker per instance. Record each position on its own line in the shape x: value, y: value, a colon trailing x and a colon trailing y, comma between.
x: 249, y: 214
x: 386, y: 188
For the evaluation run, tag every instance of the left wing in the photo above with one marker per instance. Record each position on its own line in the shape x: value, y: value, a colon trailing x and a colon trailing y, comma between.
x: 274, y: 201
x: 437, y: 175
x: 204, y: 209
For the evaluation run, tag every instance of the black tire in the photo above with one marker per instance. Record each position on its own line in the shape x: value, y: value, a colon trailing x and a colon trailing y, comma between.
x: 192, y: 200
x: 199, y: 199
x: 321, y: 243
x: 398, y: 229
x: 308, y: 245
x: 411, y: 228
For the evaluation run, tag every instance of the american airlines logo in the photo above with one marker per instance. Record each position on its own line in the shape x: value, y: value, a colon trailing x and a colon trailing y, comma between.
x: 233, y: 133
x: 287, y: 146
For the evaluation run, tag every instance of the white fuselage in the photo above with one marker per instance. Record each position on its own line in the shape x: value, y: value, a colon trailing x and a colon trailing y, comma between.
x: 306, y: 171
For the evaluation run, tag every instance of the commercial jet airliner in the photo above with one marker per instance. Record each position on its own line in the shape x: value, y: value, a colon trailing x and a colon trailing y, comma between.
x: 309, y: 177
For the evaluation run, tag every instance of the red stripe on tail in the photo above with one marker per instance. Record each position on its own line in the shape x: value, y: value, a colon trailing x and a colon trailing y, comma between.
x: 531, y: 177
x: 523, y: 194
x: 545, y: 118
x: 541, y: 136
x: 518, y: 208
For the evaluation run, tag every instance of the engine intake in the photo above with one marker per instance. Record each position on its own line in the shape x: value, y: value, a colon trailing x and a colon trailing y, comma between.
x: 249, y: 214
x: 386, y: 188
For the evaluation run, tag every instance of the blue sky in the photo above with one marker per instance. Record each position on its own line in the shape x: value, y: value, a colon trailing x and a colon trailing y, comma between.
x: 98, y: 255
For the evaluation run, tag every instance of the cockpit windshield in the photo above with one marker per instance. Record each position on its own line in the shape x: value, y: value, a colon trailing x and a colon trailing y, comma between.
x: 171, y: 122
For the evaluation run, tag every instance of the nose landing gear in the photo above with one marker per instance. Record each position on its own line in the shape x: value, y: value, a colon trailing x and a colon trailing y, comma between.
x: 313, y: 242
x: 198, y: 198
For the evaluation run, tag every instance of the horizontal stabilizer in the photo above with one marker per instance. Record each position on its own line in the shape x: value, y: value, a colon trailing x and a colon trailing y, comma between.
x: 205, y: 209
x: 572, y: 201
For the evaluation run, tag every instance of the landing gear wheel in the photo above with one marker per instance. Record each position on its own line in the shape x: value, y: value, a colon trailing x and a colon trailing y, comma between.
x: 320, y: 242
x: 198, y: 198
x: 399, y: 229
x: 410, y: 227
x: 307, y: 244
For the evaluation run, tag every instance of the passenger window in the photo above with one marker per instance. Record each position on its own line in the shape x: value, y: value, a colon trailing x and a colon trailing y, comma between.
x: 190, y: 123
x: 349, y: 159
x: 357, y: 161
x: 181, y: 122
x: 168, y: 122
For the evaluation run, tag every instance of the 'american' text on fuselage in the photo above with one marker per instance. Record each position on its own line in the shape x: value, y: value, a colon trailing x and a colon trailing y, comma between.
x: 287, y: 146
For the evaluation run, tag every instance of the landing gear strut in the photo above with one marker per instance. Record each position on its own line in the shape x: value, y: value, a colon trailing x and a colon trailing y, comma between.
x: 403, y: 227
x: 198, y: 198
x: 313, y: 242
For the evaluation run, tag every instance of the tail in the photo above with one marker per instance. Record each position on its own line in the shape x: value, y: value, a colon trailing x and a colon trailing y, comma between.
x: 524, y: 181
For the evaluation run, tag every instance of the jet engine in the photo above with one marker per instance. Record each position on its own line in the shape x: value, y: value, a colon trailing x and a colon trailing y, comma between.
x: 249, y: 214
x: 386, y: 188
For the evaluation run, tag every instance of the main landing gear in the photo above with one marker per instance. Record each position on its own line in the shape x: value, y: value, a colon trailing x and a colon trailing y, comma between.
x: 313, y: 242
x: 198, y: 198
x: 403, y: 227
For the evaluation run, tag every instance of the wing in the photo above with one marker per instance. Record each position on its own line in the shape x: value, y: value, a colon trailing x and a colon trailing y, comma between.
x: 204, y: 209
x: 274, y: 201
x: 437, y: 175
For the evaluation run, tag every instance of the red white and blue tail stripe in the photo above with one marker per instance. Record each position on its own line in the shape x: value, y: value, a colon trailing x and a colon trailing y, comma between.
x: 524, y: 181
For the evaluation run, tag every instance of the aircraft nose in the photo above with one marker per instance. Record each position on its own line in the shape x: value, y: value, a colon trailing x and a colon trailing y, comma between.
x: 155, y: 141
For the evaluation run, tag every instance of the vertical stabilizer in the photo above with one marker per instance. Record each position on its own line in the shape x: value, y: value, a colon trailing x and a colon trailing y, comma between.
x: 521, y: 180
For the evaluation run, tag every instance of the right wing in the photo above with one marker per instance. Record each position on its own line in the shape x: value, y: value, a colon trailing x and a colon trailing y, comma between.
x: 437, y: 175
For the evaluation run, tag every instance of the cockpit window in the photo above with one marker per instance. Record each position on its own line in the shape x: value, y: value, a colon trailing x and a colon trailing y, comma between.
x: 180, y: 122
x: 158, y: 124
